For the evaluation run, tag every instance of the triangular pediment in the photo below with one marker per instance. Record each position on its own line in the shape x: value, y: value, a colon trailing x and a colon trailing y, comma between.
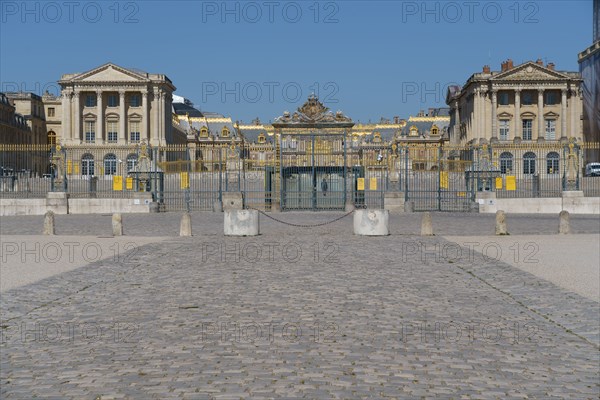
x: 110, y: 73
x: 530, y: 71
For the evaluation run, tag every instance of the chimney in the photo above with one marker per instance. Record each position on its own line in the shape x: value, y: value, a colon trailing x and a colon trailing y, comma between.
x: 396, y: 120
x: 509, y: 64
x: 550, y: 66
x: 486, y: 69
x: 539, y: 62
x: 431, y: 112
x: 421, y: 113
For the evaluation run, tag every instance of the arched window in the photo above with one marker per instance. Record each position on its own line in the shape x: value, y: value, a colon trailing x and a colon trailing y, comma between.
x: 552, y: 163
x: 204, y: 132
x: 506, y: 162
x: 131, y: 161
x: 225, y: 132
x: 262, y: 138
x: 110, y: 164
x: 52, y: 138
x: 87, y: 165
x: 435, y: 130
x: 529, y: 163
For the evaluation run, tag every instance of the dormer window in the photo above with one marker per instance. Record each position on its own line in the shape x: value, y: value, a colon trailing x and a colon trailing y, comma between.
x: 435, y: 130
x: 225, y: 132
x: 413, y: 131
x: 377, y: 137
x: 261, y: 138
x: 204, y: 132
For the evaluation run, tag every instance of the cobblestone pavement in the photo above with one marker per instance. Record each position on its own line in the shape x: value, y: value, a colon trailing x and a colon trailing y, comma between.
x: 297, y: 313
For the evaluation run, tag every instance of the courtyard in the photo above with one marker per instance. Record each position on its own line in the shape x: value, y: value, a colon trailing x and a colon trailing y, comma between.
x: 300, y: 312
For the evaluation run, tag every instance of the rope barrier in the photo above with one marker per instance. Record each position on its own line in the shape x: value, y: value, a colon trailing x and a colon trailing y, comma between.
x: 302, y: 225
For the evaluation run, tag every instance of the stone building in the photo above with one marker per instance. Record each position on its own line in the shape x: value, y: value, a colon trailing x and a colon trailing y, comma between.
x: 589, y: 66
x: 30, y: 106
x: 530, y: 102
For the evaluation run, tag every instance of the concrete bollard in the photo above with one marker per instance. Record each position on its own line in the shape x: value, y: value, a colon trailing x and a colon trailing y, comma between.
x: 501, y: 223
x: 185, y: 227
x: 371, y: 222
x: 49, y: 223
x: 426, y: 225
x: 240, y: 223
x: 564, y: 225
x: 117, y: 225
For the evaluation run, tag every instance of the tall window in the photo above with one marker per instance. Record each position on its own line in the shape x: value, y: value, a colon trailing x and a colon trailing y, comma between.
x: 225, y: 132
x: 113, y: 133
x: 131, y: 162
x: 527, y: 98
x: 51, y: 111
x: 552, y: 163
x: 87, y: 165
x: 506, y: 162
x: 90, y: 131
x: 504, y: 129
x: 503, y: 98
x: 550, y: 129
x: 527, y: 127
x: 90, y: 100
x: 134, y: 100
x: 113, y: 100
x: 110, y: 164
x: 52, y: 138
x: 551, y: 98
x: 134, y: 132
x: 529, y: 163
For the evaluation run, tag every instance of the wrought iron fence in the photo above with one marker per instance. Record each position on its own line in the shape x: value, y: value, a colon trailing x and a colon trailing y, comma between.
x: 320, y: 177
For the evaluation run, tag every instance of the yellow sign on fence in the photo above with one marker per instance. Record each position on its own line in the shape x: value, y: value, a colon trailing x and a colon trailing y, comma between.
x: 373, y: 184
x: 360, y: 184
x: 511, y: 183
x: 444, y: 180
x: 69, y: 167
x: 185, y: 180
x: 129, y: 183
x: 117, y: 182
x: 499, y: 182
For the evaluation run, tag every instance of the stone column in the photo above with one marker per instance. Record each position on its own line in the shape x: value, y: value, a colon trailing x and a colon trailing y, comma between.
x: 475, y: 124
x: 77, y: 114
x: 494, y: 115
x: 67, y: 132
x: 540, y: 116
x: 456, y: 123
x: 144, y: 129
x: 517, y: 117
x: 573, y: 105
x: 563, y: 115
x: 122, y: 118
x: 100, y: 116
x: 156, y: 112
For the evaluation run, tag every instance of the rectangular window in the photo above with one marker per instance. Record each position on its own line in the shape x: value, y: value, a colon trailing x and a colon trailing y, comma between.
x: 90, y: 131
x: 135, y: 100
x: 527, y: 98
x: 113, y: 133
x: 113, y: 100
x: 527, y: 125
x: 550, y: 129
x: 90, y: 100
x: 51, y: 111
x: 134, y: 132
x: 503, y: 98
x: 551, y: 98
x: 504, y: 129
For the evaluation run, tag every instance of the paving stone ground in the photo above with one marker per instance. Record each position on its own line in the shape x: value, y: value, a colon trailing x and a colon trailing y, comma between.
x: 297, y: 313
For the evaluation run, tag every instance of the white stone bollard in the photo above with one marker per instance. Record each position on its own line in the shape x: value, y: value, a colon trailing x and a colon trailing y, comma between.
x: 371, y: 222
x: 117, y: 225
x: 49, y: 223
x: 240, y: 223
x: 185, y: 227
x: 501, y: 223
x: 564, y: 225
x: 426, y: 225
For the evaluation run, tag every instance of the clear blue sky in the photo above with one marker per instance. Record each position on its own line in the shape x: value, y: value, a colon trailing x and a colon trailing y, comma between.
x: 256, y: 59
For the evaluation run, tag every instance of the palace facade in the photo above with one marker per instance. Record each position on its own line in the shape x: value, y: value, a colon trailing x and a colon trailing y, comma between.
x: 531, y: 102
